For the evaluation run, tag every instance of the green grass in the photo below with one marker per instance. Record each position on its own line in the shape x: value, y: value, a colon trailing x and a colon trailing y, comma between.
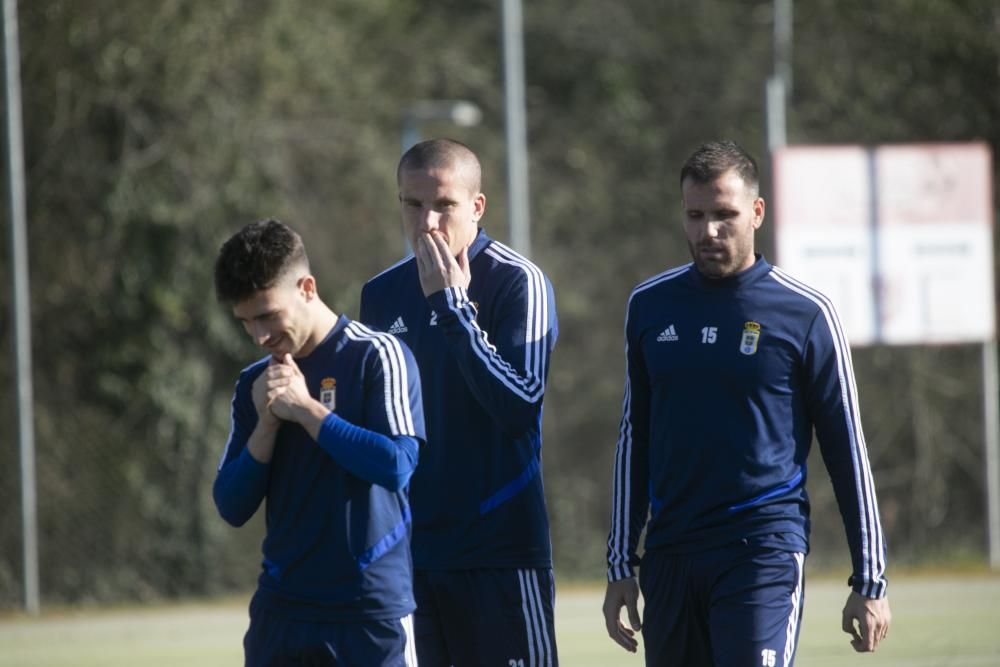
x: 938, y: 620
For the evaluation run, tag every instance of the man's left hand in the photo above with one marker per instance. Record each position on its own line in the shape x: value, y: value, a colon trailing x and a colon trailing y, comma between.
x: 286, y: 388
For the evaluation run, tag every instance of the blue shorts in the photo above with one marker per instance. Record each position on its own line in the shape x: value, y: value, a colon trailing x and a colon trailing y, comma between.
x: 736, y: 605
x: 276, y: 641
x: 495, y: 618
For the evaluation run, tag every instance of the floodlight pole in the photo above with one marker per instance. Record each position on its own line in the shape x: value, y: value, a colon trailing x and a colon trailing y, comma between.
x: 783, y: 42
x: 991, y: 442
x: 20, y: 304
x: 517, y: 133
x: 779, y: 85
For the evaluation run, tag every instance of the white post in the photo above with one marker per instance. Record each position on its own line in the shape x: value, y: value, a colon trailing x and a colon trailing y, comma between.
x: 775, y: 110
x: 991, y: 443
x: 517, y: 134
x: 778, y: 87
x: 783, y: 42
x: 20, y: 304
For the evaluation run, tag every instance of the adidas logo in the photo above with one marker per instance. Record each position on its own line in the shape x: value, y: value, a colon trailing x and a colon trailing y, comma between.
x: 667, y: 334
x: 398, y: 326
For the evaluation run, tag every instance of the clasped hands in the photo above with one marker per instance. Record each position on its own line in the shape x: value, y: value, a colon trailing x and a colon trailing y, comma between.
x: 280, y: 390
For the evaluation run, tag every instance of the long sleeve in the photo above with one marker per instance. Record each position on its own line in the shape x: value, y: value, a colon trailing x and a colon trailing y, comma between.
x: 505, y: 368
x: 241, y: 482
x: 383, y: 450
x: 630, y: 496
x: 833, y: 407
x: 380, y: 459
x: 483, y: 354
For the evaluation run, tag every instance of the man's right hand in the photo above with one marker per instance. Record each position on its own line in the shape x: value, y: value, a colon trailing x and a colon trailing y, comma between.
x: 437, y: 268
x: 265, y: 418
x: 623, y: 593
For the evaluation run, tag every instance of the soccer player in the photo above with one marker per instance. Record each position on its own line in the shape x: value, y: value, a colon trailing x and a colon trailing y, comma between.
x: 481, y: 322
x: 327, y: 428
x: 731, y: 364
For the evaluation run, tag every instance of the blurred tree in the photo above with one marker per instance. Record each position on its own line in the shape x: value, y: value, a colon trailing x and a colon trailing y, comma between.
x: 152, y: 134
x: 620, y: 95
x: 154, y: 131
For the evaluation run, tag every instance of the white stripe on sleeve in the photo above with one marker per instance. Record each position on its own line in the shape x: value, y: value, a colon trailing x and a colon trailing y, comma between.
x: 872, y: 545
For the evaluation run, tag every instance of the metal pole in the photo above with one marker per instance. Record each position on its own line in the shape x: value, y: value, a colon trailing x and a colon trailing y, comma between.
x: 775, y: 109
x: 783, y: 43
x: 20, y: 304
x: 779, y: 85
x: 991, y: 441
x: 875, y: 234
x: 517, y: 141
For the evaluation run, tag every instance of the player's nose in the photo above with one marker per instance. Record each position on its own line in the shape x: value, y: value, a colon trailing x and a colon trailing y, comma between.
x: 260, y: 333
x: 429, y: 220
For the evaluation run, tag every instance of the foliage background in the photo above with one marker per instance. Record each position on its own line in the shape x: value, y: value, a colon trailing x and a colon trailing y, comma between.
x: 153, y: 131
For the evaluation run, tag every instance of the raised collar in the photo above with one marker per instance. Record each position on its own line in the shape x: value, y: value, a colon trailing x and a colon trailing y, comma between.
x: 479, y: 244
x: 755, y: 272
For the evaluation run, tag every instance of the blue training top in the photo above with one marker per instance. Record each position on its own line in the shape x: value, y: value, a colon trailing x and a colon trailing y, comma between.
x: 338, y: 520
x: 483, y: 355
x: 725, y: 382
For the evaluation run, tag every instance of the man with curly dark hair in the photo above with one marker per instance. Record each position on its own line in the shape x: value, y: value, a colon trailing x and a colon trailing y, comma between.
x: 327, y: 428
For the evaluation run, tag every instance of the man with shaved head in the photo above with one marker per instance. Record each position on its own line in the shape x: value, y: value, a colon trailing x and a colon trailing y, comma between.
x: 481, y: 322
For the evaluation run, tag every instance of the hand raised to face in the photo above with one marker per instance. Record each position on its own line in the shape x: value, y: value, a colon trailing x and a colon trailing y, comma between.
x: 438, y: 269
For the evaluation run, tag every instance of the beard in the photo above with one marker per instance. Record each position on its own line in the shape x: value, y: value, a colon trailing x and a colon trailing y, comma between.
x: 720, y: 260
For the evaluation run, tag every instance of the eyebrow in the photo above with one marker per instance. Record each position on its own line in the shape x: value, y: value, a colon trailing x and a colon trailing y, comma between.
x: 258, y: 316
x: 435, y: 202
x: 722, y: 207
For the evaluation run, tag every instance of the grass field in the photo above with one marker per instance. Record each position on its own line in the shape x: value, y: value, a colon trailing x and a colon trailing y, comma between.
x: 937, y: 621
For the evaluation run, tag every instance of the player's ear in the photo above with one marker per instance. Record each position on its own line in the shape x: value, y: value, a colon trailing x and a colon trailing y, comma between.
x: 307, y: 287
x: 758, y: 212
x: 478, y: 207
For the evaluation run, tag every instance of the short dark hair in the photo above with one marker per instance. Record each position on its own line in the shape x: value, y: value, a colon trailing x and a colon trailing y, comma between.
x: 256, y: 258
x: 443, y: 154
x: 715, y: 158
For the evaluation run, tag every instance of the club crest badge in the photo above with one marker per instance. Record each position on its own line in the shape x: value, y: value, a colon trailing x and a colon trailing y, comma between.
x: 750, y: 337
x: 328, y: 393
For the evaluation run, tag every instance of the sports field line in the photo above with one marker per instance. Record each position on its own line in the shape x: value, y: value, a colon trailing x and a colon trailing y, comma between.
x: 939, y: 660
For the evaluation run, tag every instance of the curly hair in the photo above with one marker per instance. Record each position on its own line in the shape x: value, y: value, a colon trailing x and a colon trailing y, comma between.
x: 256, y: 258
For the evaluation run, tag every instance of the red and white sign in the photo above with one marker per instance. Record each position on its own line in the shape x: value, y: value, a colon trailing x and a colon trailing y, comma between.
x: 900, y: 237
